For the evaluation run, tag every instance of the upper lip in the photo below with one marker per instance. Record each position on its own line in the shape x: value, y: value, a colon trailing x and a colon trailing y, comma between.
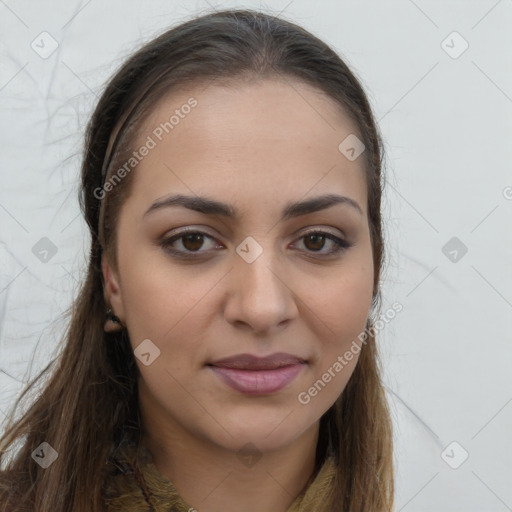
x: 250, y: 362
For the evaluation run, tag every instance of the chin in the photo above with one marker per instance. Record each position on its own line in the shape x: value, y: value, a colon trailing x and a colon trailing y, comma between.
x: 266, y: 434
x: 253, y: 443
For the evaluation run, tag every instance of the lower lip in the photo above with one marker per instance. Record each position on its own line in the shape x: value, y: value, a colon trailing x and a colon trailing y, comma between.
x: 258, y: 382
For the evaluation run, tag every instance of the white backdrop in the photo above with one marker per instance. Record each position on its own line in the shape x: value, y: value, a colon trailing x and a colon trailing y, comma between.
x: 439, y: 76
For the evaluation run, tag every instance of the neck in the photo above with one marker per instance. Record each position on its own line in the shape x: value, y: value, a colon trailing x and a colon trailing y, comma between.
x: 211, y: 478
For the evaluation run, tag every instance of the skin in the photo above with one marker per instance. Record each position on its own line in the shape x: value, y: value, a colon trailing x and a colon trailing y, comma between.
x: 256, y: 147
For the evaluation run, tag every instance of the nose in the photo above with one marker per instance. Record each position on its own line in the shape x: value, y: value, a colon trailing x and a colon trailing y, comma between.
x: 260, y: 298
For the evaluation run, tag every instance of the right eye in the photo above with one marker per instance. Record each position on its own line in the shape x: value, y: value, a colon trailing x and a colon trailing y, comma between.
x: 191, y: 242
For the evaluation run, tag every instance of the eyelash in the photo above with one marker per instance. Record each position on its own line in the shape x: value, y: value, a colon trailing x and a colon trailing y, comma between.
x: 340, y: 244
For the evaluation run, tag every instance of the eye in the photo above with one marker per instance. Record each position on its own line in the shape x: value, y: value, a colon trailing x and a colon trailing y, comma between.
x: 192, y: 241
x: 315, y: 241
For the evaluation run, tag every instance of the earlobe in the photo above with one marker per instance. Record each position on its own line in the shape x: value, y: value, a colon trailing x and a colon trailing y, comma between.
x: 113, y: 297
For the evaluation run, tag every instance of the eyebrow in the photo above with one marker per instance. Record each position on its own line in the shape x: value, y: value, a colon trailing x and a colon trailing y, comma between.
x: 212, y: 207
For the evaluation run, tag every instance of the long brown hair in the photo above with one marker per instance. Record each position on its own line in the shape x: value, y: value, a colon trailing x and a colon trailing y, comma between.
x: 89, y: 399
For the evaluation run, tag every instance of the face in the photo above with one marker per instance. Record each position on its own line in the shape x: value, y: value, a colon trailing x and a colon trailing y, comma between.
x: 249, y: 273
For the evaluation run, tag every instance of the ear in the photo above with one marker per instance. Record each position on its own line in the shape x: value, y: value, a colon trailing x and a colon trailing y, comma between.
x: 112, y: 288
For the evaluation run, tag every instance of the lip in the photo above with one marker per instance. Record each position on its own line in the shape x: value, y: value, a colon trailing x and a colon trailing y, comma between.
x: 255, y: 375
x: 258, y: 382
x: 251, y: 362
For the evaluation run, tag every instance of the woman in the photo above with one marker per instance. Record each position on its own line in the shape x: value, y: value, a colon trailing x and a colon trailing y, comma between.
x: 220, y: 354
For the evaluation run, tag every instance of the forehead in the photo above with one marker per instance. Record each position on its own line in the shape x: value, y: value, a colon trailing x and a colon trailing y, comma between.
x: 245, y: 139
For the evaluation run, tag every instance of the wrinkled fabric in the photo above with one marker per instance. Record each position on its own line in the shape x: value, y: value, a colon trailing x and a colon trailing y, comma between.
x: 150, y: 491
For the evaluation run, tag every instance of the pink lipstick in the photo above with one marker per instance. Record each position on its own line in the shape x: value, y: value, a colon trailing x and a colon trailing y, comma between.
x: 258, y: 376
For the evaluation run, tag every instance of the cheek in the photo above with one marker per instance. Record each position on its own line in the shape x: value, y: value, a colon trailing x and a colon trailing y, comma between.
x: 168, y: 306
x: 156, y: 292
x: 343, y: 303
x: 342, y: 311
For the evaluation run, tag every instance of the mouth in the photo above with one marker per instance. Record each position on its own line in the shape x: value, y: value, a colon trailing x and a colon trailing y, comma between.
x: 253, y: 375
x: 251, y: 362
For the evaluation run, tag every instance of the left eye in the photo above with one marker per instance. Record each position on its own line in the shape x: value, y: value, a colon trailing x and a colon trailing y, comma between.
x: 193, y: 241
x: 318, y: 238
